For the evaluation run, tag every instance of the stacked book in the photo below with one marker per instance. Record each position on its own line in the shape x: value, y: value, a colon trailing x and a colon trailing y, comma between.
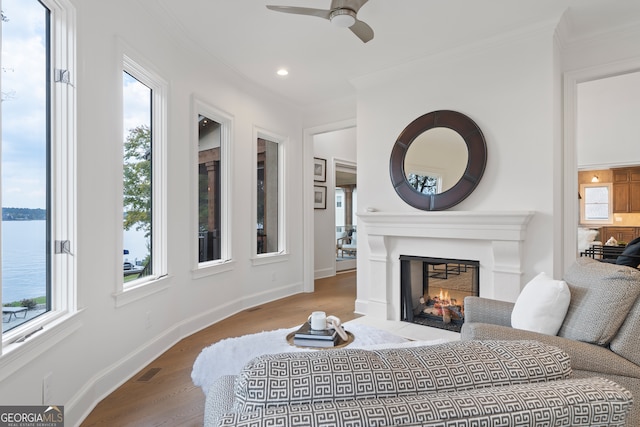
x: 307, y: 337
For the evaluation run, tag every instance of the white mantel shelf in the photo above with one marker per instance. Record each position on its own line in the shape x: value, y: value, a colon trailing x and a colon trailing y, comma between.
x: 475, y: 225
x: 502, y: 235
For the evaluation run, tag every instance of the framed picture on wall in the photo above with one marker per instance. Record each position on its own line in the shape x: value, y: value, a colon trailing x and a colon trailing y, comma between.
x: 319, y: 197
x: 319, y: 169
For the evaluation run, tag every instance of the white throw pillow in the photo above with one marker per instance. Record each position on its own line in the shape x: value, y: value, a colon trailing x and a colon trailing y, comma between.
x: 542, y: 305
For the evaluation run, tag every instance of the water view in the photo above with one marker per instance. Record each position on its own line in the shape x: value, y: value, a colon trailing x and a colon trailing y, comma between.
x: 23, y: 260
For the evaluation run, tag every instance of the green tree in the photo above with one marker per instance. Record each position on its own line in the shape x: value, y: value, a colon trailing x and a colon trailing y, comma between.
x: 137, y: 180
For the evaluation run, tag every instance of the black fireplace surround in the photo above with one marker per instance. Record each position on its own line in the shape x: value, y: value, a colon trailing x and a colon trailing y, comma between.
x: 433, y: 290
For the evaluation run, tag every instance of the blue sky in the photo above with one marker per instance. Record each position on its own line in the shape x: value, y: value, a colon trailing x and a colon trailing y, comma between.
x: 23, y: 106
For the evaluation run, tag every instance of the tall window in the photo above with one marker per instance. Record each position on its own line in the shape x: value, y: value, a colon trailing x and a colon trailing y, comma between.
x: 209, y: 194
x: 268, y: 197
x: 143, y: 175
x: 37, y: 216
x: 137, y: 183
x: 212, y: 159
x: 26, y: 206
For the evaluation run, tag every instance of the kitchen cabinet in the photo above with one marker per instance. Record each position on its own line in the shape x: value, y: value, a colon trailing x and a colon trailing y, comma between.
x: 621, y: 234
x: 626, y: 190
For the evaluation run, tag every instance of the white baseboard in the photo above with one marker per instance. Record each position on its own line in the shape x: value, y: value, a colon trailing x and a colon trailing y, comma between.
x: 324, y: 272
x: 109, y: 379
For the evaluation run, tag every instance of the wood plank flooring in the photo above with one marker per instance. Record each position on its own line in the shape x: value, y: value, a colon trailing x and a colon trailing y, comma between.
x: 162, y: 394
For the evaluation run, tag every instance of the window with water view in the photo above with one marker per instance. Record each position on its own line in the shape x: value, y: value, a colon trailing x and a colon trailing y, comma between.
x: 26, y: 229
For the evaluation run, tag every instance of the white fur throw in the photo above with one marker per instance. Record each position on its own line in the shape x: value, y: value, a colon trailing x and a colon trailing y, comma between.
x: 229, y: 356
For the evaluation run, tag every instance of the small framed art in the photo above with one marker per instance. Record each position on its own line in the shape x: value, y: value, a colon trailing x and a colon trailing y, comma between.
x: 319, y: 169
x: 319, y: 197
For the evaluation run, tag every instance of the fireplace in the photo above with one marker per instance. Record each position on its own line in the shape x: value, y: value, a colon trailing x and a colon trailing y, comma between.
x: 495, y: 239
x: 433, y: 290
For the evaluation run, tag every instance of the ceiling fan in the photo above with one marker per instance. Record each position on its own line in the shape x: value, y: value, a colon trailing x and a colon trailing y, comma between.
x: 343, y: 13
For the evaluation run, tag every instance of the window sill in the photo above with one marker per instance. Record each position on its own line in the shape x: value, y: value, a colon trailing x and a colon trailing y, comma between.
x: 135, y: 293
x: 212, y: 268
x: 269, y: 258
x: 17, y: 355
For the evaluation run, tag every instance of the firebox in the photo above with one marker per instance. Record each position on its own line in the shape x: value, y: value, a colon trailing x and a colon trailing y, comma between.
x: 433, y: 290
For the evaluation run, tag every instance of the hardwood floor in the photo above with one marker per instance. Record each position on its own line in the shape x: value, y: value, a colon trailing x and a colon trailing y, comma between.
x: 162, y: 394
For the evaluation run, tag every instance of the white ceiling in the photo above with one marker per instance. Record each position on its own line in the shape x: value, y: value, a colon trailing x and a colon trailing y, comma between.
x: 322, y: 59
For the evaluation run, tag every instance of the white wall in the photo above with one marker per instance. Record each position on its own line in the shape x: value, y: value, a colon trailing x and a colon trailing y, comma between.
x: 332, y: 146
x: 508, y: 89
x: 608, y: 128
x: 113, y: 343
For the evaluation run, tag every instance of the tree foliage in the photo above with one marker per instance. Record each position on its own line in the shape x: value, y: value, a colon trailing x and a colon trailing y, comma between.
x: 424, y: 184
x: 137, y: 180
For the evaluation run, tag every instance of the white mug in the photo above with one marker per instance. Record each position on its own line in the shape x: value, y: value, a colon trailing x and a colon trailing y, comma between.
x: 318, y: 320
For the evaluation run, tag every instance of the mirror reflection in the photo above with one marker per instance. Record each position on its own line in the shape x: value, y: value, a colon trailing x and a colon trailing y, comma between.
x: 436, y: 160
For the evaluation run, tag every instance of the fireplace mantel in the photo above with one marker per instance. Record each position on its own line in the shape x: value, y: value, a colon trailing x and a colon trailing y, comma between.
x: 495, y: 238
x: 483, y: 225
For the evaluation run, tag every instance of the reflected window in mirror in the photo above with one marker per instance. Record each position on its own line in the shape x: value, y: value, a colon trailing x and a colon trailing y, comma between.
x: 425, y: 184
x: 596, y: 205
x: 268, y: 197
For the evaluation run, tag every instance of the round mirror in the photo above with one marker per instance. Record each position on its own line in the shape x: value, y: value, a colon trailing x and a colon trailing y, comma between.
x: 438, y: 160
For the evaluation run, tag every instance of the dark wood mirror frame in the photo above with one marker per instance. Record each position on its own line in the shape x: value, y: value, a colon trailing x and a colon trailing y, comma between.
x: 477, y: 160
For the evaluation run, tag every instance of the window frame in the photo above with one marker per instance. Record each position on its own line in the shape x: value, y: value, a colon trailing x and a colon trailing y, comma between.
x: 583, y: 201
x: 282, y: 254
x: 226, y: 121
x: 48, y: 329
x: 126, y: 293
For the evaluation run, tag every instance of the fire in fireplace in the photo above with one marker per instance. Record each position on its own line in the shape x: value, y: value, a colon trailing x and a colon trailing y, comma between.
x: 433, y: 290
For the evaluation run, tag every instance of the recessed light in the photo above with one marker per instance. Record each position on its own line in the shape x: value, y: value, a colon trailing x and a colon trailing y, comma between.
x: 283, y: 72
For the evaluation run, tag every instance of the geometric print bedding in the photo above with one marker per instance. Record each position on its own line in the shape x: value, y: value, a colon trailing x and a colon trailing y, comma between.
x: 348, y: 374
x: 575, y: 403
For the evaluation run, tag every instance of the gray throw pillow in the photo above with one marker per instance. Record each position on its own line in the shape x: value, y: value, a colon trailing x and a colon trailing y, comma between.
x: 602, y: 295
x: 627, y: 342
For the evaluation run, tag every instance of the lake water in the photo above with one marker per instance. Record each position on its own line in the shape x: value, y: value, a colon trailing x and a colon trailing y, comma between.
x: 24, y: 258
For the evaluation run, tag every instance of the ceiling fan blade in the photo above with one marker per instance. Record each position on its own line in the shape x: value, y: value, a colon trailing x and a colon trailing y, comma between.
x: 362, y: 30
x: 320, y: 13
x: 354, y: 5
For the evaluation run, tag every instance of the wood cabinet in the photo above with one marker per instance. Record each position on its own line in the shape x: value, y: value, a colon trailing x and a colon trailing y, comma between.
x: 621, y: 234
x: 626, y: 190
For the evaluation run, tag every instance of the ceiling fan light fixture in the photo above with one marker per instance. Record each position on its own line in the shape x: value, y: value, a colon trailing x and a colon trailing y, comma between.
x: 343, y: 18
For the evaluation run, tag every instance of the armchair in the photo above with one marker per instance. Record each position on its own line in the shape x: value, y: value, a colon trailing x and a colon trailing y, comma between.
x: 347, y: 244
x: 601, y: 331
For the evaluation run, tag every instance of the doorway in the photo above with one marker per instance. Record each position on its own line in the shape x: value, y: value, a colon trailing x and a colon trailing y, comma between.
x: 346, y: 197
x: 608, y: 159
x: 576, y: 153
